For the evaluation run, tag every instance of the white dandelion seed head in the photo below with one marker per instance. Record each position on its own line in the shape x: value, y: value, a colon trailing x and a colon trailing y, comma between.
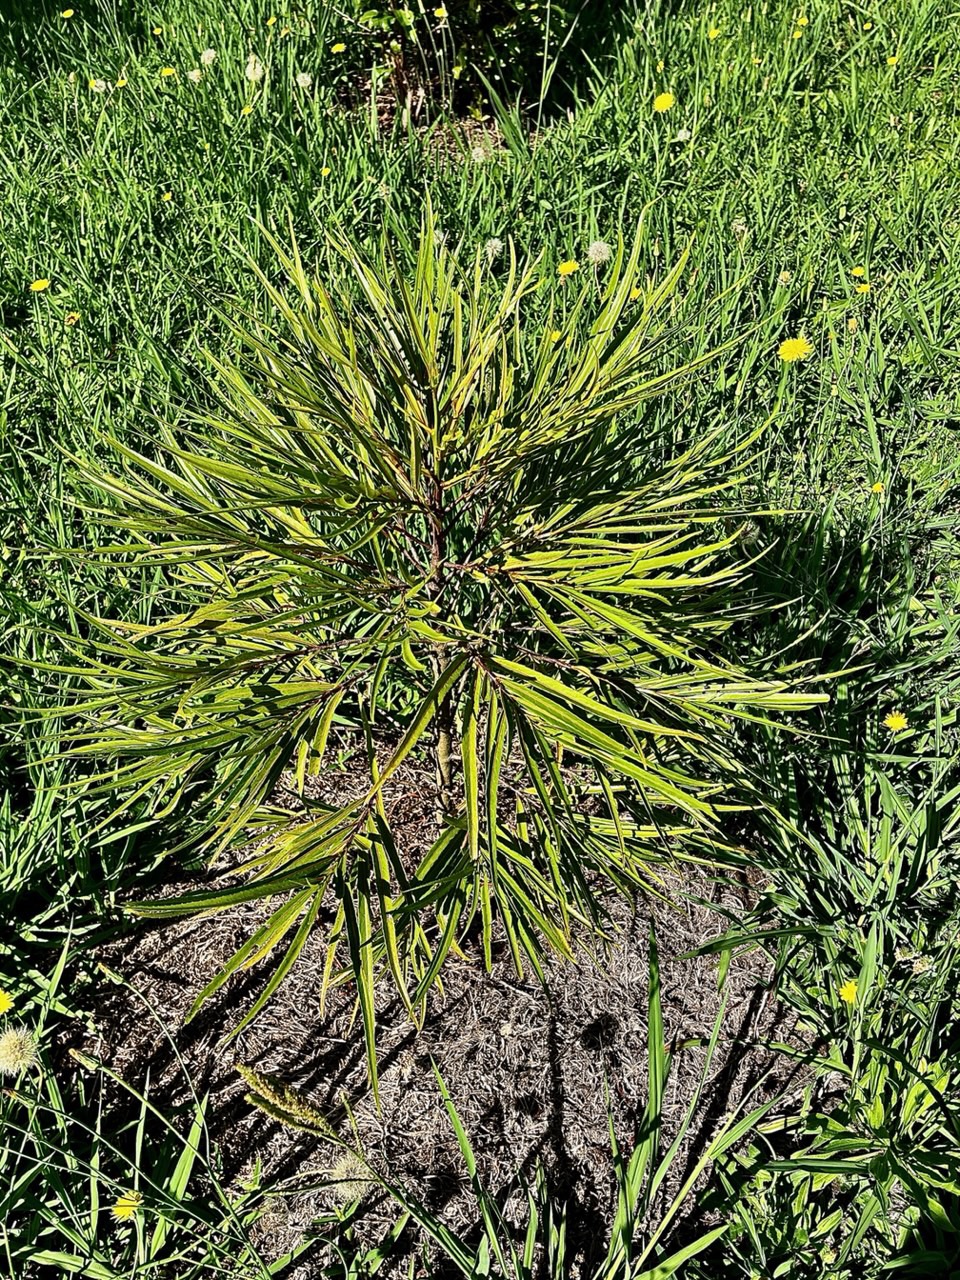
x: 785, y: 276
x: 493, y: 248
x: 349, y: 1178
x: 18, y: 1051
x: 254, y: 69
x: 208, y: 57
x: 599, y: 252
x: 98, y: 86
x: 196, y: 75
x: 304, y: 79
x: 739, y: 227
x: 478, y: 154
x: 683, y: 135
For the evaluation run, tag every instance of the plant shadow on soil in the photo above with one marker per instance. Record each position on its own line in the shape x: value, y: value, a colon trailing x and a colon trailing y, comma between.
x: 532, y: 1071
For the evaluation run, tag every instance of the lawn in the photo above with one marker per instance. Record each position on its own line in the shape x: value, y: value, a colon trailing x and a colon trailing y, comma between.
x: 479, y: 516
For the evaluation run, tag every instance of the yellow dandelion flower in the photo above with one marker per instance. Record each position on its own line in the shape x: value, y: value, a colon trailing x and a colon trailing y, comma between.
x: 167, y: 195
x: 757, y: 62
x: 895, y: 721
x: 803, y: 21
x: 325, y: 171
x: 285, y: 31
x: 848, y: 992
x: 555, y: 335
x: 246, y: 110
x: 440, y: 14
x: 38, y: 286
x: 863, y: 288
x: 797, y: 34
x: 868, y: 26
x: 879, y: 487
x: 568, y: 268
x: 858, y: 271
x: 892, y: 60
x: 635, y: 293
x: 792, y: 349
x: 713, y: 33
x: 340, y: 47
x: 852, y: 324
x: 660, y: 66
x: 125, y: 1206
x: 67, y: 13
x: 6, y: 1001
x: 272, y: 21
x: 121, y: 82
x: 71, y: 318
x: 158, y: 31
x: 663, y: 102
x: 168, y: 71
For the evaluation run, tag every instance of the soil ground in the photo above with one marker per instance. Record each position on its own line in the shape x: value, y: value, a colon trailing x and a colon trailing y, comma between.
x: 535, y: 1073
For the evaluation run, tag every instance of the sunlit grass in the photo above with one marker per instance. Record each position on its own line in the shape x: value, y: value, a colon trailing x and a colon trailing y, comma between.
x: 809, y: 155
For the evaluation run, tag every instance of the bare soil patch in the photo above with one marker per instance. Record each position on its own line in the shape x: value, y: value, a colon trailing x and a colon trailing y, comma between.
x: 532, y: 1071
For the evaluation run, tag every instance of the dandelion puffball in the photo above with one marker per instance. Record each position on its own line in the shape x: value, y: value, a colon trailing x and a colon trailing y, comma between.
x: 18, y: 1051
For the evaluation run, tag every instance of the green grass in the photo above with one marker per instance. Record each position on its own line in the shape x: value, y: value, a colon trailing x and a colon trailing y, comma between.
x: 793, y: 155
